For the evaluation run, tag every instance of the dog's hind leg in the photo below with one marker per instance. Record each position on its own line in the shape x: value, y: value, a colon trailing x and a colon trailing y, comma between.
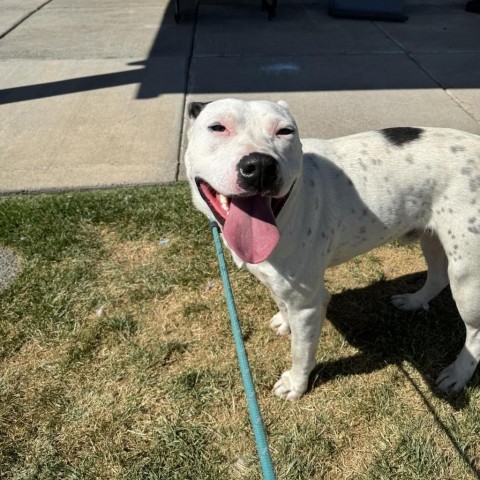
x: 437, y: 276
x: 465, y: 286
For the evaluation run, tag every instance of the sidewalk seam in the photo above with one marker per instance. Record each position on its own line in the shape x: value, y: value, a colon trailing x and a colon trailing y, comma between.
x: 461, y: 105
x: 187, y: 83
x: 412, y: 57
x: 28, y: 15
x: 443, y: 87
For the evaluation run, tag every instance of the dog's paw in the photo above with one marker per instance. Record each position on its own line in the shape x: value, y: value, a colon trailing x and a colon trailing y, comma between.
x: 450, y: 380
x: 456, y: 375
x: 289, y: 387
x: 279, y: 325
x: 409, y: 302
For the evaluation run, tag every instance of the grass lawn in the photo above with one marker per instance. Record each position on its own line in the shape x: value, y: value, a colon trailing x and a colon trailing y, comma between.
x: 117, y: 361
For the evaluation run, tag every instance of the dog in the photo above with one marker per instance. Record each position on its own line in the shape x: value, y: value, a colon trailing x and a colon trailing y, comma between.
x: 290, y: 208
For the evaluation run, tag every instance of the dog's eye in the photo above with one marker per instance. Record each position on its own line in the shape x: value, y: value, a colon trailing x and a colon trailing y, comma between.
x: 285, y: 131
x: 217, y: 127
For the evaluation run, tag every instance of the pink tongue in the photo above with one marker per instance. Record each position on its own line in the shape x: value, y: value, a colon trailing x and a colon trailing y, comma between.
x: 250, y: 228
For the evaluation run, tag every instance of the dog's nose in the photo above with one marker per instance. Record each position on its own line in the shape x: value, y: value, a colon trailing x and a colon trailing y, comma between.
x: 258, y: 172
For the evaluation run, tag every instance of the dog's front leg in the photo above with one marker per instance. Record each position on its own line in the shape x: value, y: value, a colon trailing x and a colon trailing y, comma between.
x: 279, y: 322
x: 305, y: 324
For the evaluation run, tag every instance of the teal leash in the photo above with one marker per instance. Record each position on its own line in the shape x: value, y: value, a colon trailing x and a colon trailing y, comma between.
x: 253, y: 408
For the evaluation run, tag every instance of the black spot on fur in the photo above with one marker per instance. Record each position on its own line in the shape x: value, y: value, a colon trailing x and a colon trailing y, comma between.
x: 457, y: 148
x: 475, y: 183
x: 399, y: 136
x: 194, y: 109
x: 362, y: 164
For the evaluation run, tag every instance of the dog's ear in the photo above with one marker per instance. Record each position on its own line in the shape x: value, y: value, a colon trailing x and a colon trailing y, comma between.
x: 194, y: 109
x: 283, y: 104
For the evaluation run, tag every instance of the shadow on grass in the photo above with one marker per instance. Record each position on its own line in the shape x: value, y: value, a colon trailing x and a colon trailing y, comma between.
x: 429, y: 341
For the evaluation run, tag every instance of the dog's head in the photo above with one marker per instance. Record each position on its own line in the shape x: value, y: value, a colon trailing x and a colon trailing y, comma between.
x: 242, y: 161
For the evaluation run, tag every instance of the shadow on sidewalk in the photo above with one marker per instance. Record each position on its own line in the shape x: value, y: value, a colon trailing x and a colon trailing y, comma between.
x: 154, y: 82
x: 150, y: 86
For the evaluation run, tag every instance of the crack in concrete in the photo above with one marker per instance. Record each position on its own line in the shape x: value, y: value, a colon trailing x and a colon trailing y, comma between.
x: 25, y: 17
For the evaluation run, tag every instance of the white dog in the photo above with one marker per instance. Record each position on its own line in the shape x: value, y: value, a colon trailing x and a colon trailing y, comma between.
x: 287, y: 215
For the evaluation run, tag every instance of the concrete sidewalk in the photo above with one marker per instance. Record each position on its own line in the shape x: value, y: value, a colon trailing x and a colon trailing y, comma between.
x: 93, y: 92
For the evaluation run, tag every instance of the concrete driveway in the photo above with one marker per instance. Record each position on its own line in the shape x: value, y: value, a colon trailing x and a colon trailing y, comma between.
x: 93, y: 92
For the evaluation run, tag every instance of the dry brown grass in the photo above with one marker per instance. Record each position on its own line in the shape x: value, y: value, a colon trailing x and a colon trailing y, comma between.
x: 142, y: 381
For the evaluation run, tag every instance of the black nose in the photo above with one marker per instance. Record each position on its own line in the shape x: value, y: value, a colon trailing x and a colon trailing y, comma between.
x: 258, y: 172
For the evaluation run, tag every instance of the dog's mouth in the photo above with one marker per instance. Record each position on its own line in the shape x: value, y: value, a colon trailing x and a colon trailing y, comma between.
x: 220, y: 204
x: 247, y: 221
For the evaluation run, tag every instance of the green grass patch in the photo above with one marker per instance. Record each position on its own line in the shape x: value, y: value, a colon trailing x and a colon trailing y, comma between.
x: 117, y: 360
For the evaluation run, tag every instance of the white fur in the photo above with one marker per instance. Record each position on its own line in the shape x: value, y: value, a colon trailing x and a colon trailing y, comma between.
x: 350, y: 195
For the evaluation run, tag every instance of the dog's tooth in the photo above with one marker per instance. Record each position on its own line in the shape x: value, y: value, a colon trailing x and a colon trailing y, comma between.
x: 223, y: 200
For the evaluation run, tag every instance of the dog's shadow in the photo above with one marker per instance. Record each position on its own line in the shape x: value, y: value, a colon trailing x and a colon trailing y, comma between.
x: 383, y: 335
